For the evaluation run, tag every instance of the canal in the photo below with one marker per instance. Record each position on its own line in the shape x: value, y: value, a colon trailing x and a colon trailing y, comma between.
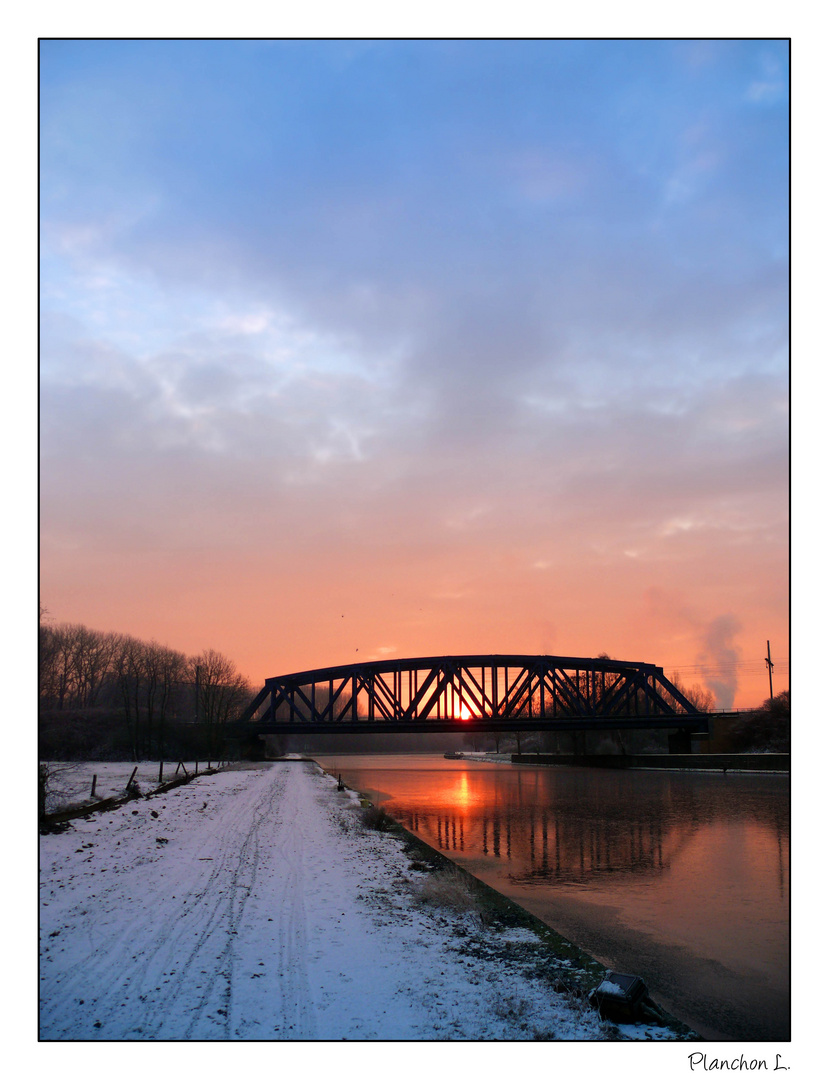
x: 682, y: 878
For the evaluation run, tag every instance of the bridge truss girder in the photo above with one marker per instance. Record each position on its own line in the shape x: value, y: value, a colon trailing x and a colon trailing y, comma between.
x: 462, y: 693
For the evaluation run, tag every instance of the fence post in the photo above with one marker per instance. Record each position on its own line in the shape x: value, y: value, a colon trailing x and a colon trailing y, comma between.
x: 94, y: 782
x: 134, y: 771
x: 160, y: 770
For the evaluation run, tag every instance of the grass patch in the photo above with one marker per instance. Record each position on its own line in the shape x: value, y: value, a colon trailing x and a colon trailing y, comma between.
x: 375, y: 817
x: 448, y: 889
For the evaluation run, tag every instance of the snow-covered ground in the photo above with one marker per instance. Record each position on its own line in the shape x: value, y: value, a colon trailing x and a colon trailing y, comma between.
x: 253, y: 905
x: 70, y: 783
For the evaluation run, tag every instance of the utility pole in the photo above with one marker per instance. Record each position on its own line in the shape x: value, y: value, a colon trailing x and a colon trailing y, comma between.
x: 770, y: 665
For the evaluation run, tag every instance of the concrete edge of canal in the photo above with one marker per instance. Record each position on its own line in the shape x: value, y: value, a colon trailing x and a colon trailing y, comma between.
x: 709, y: 762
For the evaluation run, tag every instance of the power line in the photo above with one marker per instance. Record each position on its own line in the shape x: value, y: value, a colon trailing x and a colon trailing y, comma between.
x: 744, y: 667
x: 729, y: 665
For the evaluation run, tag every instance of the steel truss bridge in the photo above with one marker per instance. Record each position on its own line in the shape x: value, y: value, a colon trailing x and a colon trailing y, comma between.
x: 462, y: 693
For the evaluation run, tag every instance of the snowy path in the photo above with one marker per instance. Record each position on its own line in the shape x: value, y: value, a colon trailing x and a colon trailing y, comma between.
x: 249, y: 905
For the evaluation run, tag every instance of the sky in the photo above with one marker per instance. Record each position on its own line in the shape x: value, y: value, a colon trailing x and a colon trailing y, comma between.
x: 357, y: 350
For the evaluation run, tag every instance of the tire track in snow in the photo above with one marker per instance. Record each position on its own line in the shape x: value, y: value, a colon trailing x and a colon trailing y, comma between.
x: 259, y: 812
x: 295, y: 1014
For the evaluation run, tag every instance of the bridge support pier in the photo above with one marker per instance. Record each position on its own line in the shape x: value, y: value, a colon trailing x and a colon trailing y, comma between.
x: 679, y: 742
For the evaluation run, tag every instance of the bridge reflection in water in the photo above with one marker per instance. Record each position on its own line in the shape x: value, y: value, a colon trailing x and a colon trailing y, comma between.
x: 568, y: 842
x: 682, y: 878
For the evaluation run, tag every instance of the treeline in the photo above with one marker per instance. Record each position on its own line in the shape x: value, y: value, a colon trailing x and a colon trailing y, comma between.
x: 110, y: 695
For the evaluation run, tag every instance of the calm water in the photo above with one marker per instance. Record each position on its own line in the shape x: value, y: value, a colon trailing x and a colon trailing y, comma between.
x: 680, y: 878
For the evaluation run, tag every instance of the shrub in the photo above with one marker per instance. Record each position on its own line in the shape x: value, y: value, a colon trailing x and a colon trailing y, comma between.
x: 448, y: 889
x: 54, y: 781
x: 766, y: 729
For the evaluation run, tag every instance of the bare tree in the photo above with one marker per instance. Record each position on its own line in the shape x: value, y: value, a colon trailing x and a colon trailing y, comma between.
x: 221, y: 691
x: 74, y: 665
x: 58, y: 679
x: 54, y: 779
x: 147, y: 676
x: 127, y: 670
x: 48, y: 663
x: 172, y: 673
x: 700, y: 696
x: 92, y: 656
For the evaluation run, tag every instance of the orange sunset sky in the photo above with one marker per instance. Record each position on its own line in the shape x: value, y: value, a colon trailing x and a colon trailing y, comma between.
x: 353, y: 350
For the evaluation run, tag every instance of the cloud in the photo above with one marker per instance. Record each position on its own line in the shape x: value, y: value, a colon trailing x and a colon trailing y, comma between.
x: 419, y: 309
x: 771, y: 87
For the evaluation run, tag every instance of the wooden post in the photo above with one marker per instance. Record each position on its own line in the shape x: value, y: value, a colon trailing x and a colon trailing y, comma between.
x: 196, y: 770
x: 94, y: 782
x: 160, y: 771
x: 134, y: 771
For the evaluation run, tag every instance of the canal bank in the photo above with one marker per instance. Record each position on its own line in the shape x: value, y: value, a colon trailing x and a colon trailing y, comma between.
x: 546, y: 956
x: 678, y: 876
